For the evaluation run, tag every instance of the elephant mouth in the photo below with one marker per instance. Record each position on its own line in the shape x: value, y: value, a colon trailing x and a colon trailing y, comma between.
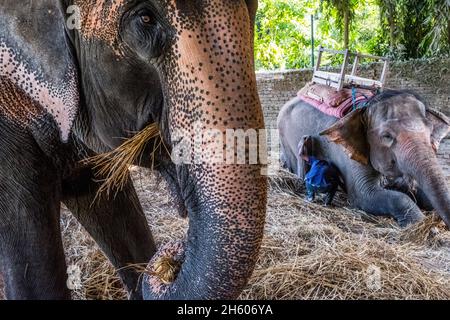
x: 399, y: 182
x: 391, y: 172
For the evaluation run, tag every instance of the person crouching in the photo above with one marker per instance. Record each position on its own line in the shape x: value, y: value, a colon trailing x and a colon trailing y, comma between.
x: 322, y: 177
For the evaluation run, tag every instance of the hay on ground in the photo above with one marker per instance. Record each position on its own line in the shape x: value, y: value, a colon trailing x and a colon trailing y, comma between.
x: 309, y: 251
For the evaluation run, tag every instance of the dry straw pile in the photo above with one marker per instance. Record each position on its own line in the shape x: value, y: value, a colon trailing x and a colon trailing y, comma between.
x: 309, y: 251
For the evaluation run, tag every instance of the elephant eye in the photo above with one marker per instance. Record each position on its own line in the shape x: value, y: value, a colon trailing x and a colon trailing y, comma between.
x: 387, y: 138
x: 146, y: 19
x: 145, y: 31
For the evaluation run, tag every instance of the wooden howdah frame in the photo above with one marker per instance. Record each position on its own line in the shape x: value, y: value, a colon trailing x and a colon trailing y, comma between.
x: 341, y: 80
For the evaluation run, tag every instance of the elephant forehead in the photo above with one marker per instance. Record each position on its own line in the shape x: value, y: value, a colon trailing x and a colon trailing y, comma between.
x: 58, y: 99
x: 412, y: 124
x: 401, y: 106
x: 212, y: 61
x: 100, y: 19
x: 189, y: 14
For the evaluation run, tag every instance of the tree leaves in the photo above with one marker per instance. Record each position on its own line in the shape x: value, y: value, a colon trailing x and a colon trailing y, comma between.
x: 402, y: 29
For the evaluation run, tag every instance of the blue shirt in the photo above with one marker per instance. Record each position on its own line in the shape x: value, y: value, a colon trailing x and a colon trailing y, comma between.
x: 322, y: 173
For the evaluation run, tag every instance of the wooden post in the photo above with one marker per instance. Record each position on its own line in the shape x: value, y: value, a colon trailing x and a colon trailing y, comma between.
x: 355, y: 65
x: 344, y: 67
x: 384, y: 73
x: 312, y: 41
x: 319, y: 59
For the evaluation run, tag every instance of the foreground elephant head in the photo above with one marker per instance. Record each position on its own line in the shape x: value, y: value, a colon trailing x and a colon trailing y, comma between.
x: 187, y: 65
x: 93, y: 72
x: 399, y: 136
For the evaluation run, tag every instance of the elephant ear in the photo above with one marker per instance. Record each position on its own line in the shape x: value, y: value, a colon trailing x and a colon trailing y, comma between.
x: 350, y: 133
x: 441, y: 127
x: 38, y: 66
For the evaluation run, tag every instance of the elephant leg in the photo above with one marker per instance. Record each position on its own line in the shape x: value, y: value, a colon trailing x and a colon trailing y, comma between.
x: 283, y: 157
x: 369, y: 196
x: 32, y: 256
x: 301, y: 168
x: 117, y: 224
x: 31, y: 252
x: 287, y: 158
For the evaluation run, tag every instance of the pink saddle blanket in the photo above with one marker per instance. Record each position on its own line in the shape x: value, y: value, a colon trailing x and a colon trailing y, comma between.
x: 331, y: 102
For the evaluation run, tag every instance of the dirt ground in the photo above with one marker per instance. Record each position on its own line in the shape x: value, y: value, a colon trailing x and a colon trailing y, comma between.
x: 309, y: 251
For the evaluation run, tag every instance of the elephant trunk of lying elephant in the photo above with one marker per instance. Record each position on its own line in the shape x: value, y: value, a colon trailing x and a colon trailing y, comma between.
x: 419, y: 161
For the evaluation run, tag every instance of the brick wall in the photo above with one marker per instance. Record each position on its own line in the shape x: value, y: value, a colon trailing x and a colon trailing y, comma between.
x: 429, y: 78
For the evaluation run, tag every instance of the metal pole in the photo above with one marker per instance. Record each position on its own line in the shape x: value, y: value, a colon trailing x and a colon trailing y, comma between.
x: 312, y: 41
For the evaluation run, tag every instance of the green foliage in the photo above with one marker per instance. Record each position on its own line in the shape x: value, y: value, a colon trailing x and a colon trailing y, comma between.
x: 437, y: 41
x: 343, y: 11
x: 283, y: 31
x: 414, y: 14
x: 416, y: 28
x: 401, y: 29
x: 282, y: 34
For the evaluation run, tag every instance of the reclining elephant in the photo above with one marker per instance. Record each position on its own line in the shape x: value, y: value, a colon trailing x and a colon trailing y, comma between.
x: 72, y: 88
x: 394, y: 138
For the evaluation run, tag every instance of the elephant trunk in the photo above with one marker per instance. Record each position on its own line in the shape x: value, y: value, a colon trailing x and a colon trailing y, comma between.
x: 225, y: 232
x: 420, y: 161
x: 212, y: 101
